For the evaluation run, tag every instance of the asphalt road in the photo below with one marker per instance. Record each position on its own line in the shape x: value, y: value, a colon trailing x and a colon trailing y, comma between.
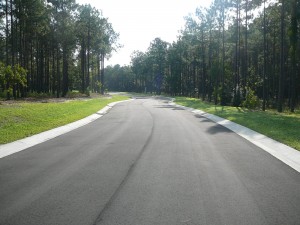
x: 147, y: 163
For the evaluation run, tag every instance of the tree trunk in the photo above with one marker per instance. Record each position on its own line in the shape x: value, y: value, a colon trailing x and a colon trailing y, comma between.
x: 294, y: 45
x: 6, y: 32
x: 265, y: 66
x: 245, y: 70
x: 88, y: 54
x: 12, y: 34
x: 98, y: 74
x: 83, y: 66
x: 102, y: 74
x: 57, y: 73
x: 281, y: 76
x: 53, y: 71
x: 65, y: 84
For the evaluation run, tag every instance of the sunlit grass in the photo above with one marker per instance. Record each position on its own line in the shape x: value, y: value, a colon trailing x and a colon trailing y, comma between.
x: 283, y: 127
x: 19, y: 120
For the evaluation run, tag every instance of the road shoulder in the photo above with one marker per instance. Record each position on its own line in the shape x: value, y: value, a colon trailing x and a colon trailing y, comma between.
x: 284, y: 153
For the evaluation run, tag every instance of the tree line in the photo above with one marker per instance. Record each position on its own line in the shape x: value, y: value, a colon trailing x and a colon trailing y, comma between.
x: 236, y: 52
x: 52, y: 47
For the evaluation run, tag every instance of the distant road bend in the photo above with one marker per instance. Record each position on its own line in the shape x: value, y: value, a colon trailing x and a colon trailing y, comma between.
x: 148, y: 163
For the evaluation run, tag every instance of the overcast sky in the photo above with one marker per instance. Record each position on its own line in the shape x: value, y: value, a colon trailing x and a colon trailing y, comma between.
x: 140, y: 21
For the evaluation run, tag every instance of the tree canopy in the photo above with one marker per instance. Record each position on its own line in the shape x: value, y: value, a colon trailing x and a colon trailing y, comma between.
x: 236, y: 52
x: 59, y: 45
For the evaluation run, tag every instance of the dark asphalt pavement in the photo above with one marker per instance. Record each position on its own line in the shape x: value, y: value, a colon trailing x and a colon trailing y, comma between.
x: 148, y: 163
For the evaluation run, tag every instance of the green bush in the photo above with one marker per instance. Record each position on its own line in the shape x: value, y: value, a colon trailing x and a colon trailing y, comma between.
x: 12, y: 79
x: 251, y: 101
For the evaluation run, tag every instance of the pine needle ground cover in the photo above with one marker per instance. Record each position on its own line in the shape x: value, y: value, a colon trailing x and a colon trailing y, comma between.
x: 22, y: 119
x: 283, y: 127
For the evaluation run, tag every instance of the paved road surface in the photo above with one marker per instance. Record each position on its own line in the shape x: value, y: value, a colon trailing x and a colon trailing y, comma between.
x: 147, y: 163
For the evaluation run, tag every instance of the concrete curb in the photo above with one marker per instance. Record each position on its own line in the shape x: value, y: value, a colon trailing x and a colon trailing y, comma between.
x: 20, y: 145
x: 284, y: 153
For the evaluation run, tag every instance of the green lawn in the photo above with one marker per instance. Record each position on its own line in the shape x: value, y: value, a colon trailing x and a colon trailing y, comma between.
x: 23, y: 119
x: 283, y: 127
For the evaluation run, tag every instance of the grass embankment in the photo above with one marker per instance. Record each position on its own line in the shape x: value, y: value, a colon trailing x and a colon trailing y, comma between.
x: 283, y: 127
x: 23, y: 119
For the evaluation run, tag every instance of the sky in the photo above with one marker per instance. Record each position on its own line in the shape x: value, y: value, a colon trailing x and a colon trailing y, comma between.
x: 141, y: 21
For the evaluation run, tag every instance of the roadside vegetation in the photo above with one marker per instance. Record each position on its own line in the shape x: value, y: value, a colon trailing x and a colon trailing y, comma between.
x: 283, y: 127
x: 20, y: 119
x: 240, y: 57
x: 236, y: 53
x: 53, y: 47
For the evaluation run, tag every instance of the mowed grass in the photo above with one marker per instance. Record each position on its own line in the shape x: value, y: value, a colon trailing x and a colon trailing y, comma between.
x: 283, y: 127
x: 23, y: 119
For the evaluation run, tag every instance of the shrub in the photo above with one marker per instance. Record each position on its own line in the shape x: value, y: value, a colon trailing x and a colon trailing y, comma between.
x: 251, y: 101
x: 12, y: 80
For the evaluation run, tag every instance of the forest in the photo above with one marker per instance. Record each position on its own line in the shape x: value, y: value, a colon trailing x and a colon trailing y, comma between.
x: 236, y: 52
x: 51, y: 47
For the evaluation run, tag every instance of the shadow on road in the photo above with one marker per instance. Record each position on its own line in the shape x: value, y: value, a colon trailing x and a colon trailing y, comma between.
x: 168, y: 107
x: 214, y: 128
x: 218, y: 129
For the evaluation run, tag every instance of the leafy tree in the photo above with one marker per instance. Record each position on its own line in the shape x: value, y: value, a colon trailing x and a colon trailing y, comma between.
x: 41, y: 36
x: 13, y: 80
x: 158, y: 51
x: 294, y: 50
x: 120, y: 78
x: 226, y: 53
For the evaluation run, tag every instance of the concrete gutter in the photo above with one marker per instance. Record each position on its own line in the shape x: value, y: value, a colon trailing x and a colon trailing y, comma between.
x: 284, y: 153
x: 20, y: 145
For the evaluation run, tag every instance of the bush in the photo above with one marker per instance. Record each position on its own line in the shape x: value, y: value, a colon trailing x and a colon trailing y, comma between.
x: 251, y: 101
x: 12, y: 79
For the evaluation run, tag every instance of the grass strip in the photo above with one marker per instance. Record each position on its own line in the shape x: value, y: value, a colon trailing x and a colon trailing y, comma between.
x: 20, y: 120
x: 283, y: 127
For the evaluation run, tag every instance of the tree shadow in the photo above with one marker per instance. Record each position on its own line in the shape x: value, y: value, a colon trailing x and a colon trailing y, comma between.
x: 168, y: 107
x: 203, y: 118
x: 216, y: 129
